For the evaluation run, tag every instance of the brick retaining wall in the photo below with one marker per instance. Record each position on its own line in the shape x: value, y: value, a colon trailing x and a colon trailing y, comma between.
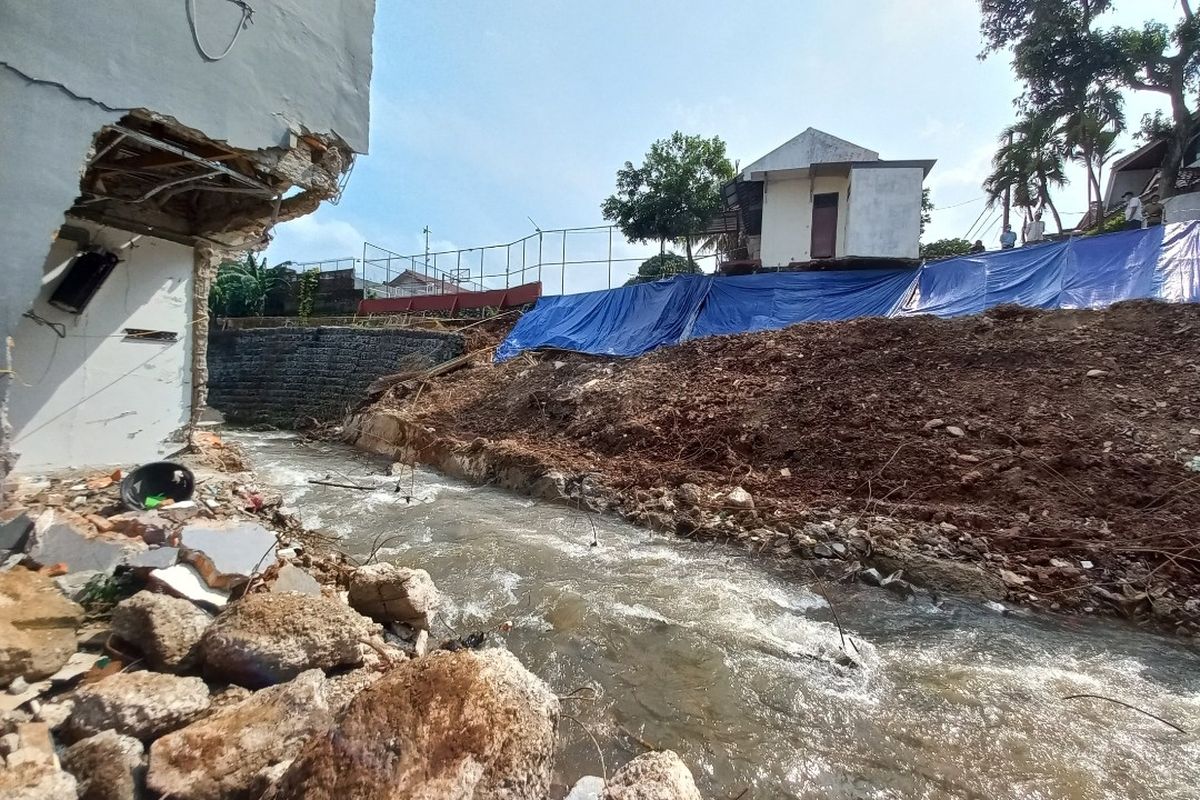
x: 285, y: 376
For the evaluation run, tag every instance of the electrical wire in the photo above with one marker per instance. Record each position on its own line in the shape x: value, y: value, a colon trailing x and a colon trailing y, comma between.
x: 245, y: 22
x: 963, y: 203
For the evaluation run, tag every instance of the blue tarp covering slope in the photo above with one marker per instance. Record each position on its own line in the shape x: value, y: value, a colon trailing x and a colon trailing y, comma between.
x: 1158, y: 263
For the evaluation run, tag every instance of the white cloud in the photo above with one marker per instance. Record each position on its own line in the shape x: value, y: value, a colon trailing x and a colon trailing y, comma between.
x: 316, y: 237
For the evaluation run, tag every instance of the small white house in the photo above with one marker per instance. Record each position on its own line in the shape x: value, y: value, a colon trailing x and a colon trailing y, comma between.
x: 825, y: 198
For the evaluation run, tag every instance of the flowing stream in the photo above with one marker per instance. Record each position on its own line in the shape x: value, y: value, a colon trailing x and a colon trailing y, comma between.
x: 735, y: 662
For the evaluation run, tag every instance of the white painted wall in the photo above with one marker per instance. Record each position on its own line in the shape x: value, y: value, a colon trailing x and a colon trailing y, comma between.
x: 93, y: 398
x: 787, y: 217
x: 1181, y: 208
x: 885, y: 212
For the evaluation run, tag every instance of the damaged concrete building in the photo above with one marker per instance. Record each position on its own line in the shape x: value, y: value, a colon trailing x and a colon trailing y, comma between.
x: 144, y: 141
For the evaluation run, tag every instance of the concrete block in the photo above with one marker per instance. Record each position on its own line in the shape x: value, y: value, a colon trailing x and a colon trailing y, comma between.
x: 15, y: 526
x: 291, y: 578
x: 61, y: 537
x: 227, y: 552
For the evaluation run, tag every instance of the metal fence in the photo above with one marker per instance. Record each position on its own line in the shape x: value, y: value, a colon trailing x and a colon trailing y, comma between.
x: 563, y: 260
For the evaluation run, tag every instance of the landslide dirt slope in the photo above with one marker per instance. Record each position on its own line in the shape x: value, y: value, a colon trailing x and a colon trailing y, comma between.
x: 1075, y: 425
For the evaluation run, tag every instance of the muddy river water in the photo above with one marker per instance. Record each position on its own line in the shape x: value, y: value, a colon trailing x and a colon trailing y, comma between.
x: 734, y: 662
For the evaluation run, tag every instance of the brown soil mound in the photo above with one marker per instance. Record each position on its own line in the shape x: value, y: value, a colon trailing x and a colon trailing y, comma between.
x: 1059, y: 434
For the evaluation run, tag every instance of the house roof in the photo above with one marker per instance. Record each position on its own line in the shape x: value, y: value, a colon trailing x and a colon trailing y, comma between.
x: 409, y: 277
x: 1148, y: 156
x: 809, y: 148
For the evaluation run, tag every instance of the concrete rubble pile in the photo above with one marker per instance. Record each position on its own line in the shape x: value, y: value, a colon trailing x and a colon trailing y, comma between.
x: 246, y: 660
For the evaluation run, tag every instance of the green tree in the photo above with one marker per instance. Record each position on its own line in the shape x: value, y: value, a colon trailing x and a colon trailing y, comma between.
x: 1029, y: 162
x: 1090, y: 138
x: 1063, y: 58
x: 664, y: 265
x: 945, y: 248
x: 673, y: 194
x: 926, y: 209
x: 240, y: 288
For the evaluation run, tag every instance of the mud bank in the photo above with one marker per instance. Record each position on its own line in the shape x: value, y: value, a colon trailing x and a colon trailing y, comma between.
x: 1034, y: 457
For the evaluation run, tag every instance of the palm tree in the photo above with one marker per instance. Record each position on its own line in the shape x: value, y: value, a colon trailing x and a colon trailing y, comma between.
x: 1090, y: 132
x: 1028, y: 163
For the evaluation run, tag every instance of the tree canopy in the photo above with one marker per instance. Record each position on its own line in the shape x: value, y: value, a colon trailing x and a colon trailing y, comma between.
x: 664, y: 265
x: 674, y: 193
x: 945, y: 248
x: 1072, y: 70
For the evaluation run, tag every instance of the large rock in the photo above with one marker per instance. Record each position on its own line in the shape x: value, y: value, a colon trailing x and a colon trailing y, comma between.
x: 36, y: 781
x: 107, y: 766
x: 144, y: 705
x: 32, y: 770
x: 37, y: 626
x: 242, y: 743
x: 390, y: 593
x: 652, y: 776
x: 166, y: 630
x: 272, y: 637
x: 470, y: 724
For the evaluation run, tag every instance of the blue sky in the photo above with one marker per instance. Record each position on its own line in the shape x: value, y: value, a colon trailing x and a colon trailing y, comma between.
x: 486, y: 115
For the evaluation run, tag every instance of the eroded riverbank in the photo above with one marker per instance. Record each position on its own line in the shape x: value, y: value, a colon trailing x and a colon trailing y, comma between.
x: 731, y: 660
x: 1037, y: 457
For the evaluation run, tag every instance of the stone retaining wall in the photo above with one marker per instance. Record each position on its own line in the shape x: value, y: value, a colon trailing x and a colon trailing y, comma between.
x: 291, y: 376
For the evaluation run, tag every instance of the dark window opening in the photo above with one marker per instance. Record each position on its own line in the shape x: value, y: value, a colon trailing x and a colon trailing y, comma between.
x: 143, y: 335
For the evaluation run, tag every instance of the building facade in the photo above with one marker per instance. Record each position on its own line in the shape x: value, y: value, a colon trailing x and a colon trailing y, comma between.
x: 824, y: 198
x: 144, y: 142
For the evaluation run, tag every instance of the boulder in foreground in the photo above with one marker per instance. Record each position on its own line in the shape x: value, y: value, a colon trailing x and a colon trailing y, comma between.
x: 272, y: 637
x: 37, y: 626
x: 166, y: 630
x: 242, y: 743
x: 144, y: 705
x: 391, y: 593
x: 652, y: 776
x: 107, y: 766
x: 468, y: 725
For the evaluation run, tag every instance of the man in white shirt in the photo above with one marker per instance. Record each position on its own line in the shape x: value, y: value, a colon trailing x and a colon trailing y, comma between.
x: 1035, y: 229
x: 1133, y: 211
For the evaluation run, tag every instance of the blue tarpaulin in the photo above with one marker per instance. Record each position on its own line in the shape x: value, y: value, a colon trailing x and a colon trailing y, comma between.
x: 1160, y: 263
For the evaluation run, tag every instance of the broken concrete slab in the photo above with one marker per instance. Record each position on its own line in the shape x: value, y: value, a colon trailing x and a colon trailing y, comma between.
x: 391, y: 593
x: 15, y: 527
x: 272, y: 637
x: 74, y: 584
x: 144, y: 705
x: 149, y: 526
x: 63, y: 537
x: 107, y: 766
x: 166, y: 630
x: 290, y: 578
x: 37, y: 626
x: 228, y: 552
x: 184, y: 580
x: 155, y: 558
x: 241, y: 741
x: 463, y: 724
